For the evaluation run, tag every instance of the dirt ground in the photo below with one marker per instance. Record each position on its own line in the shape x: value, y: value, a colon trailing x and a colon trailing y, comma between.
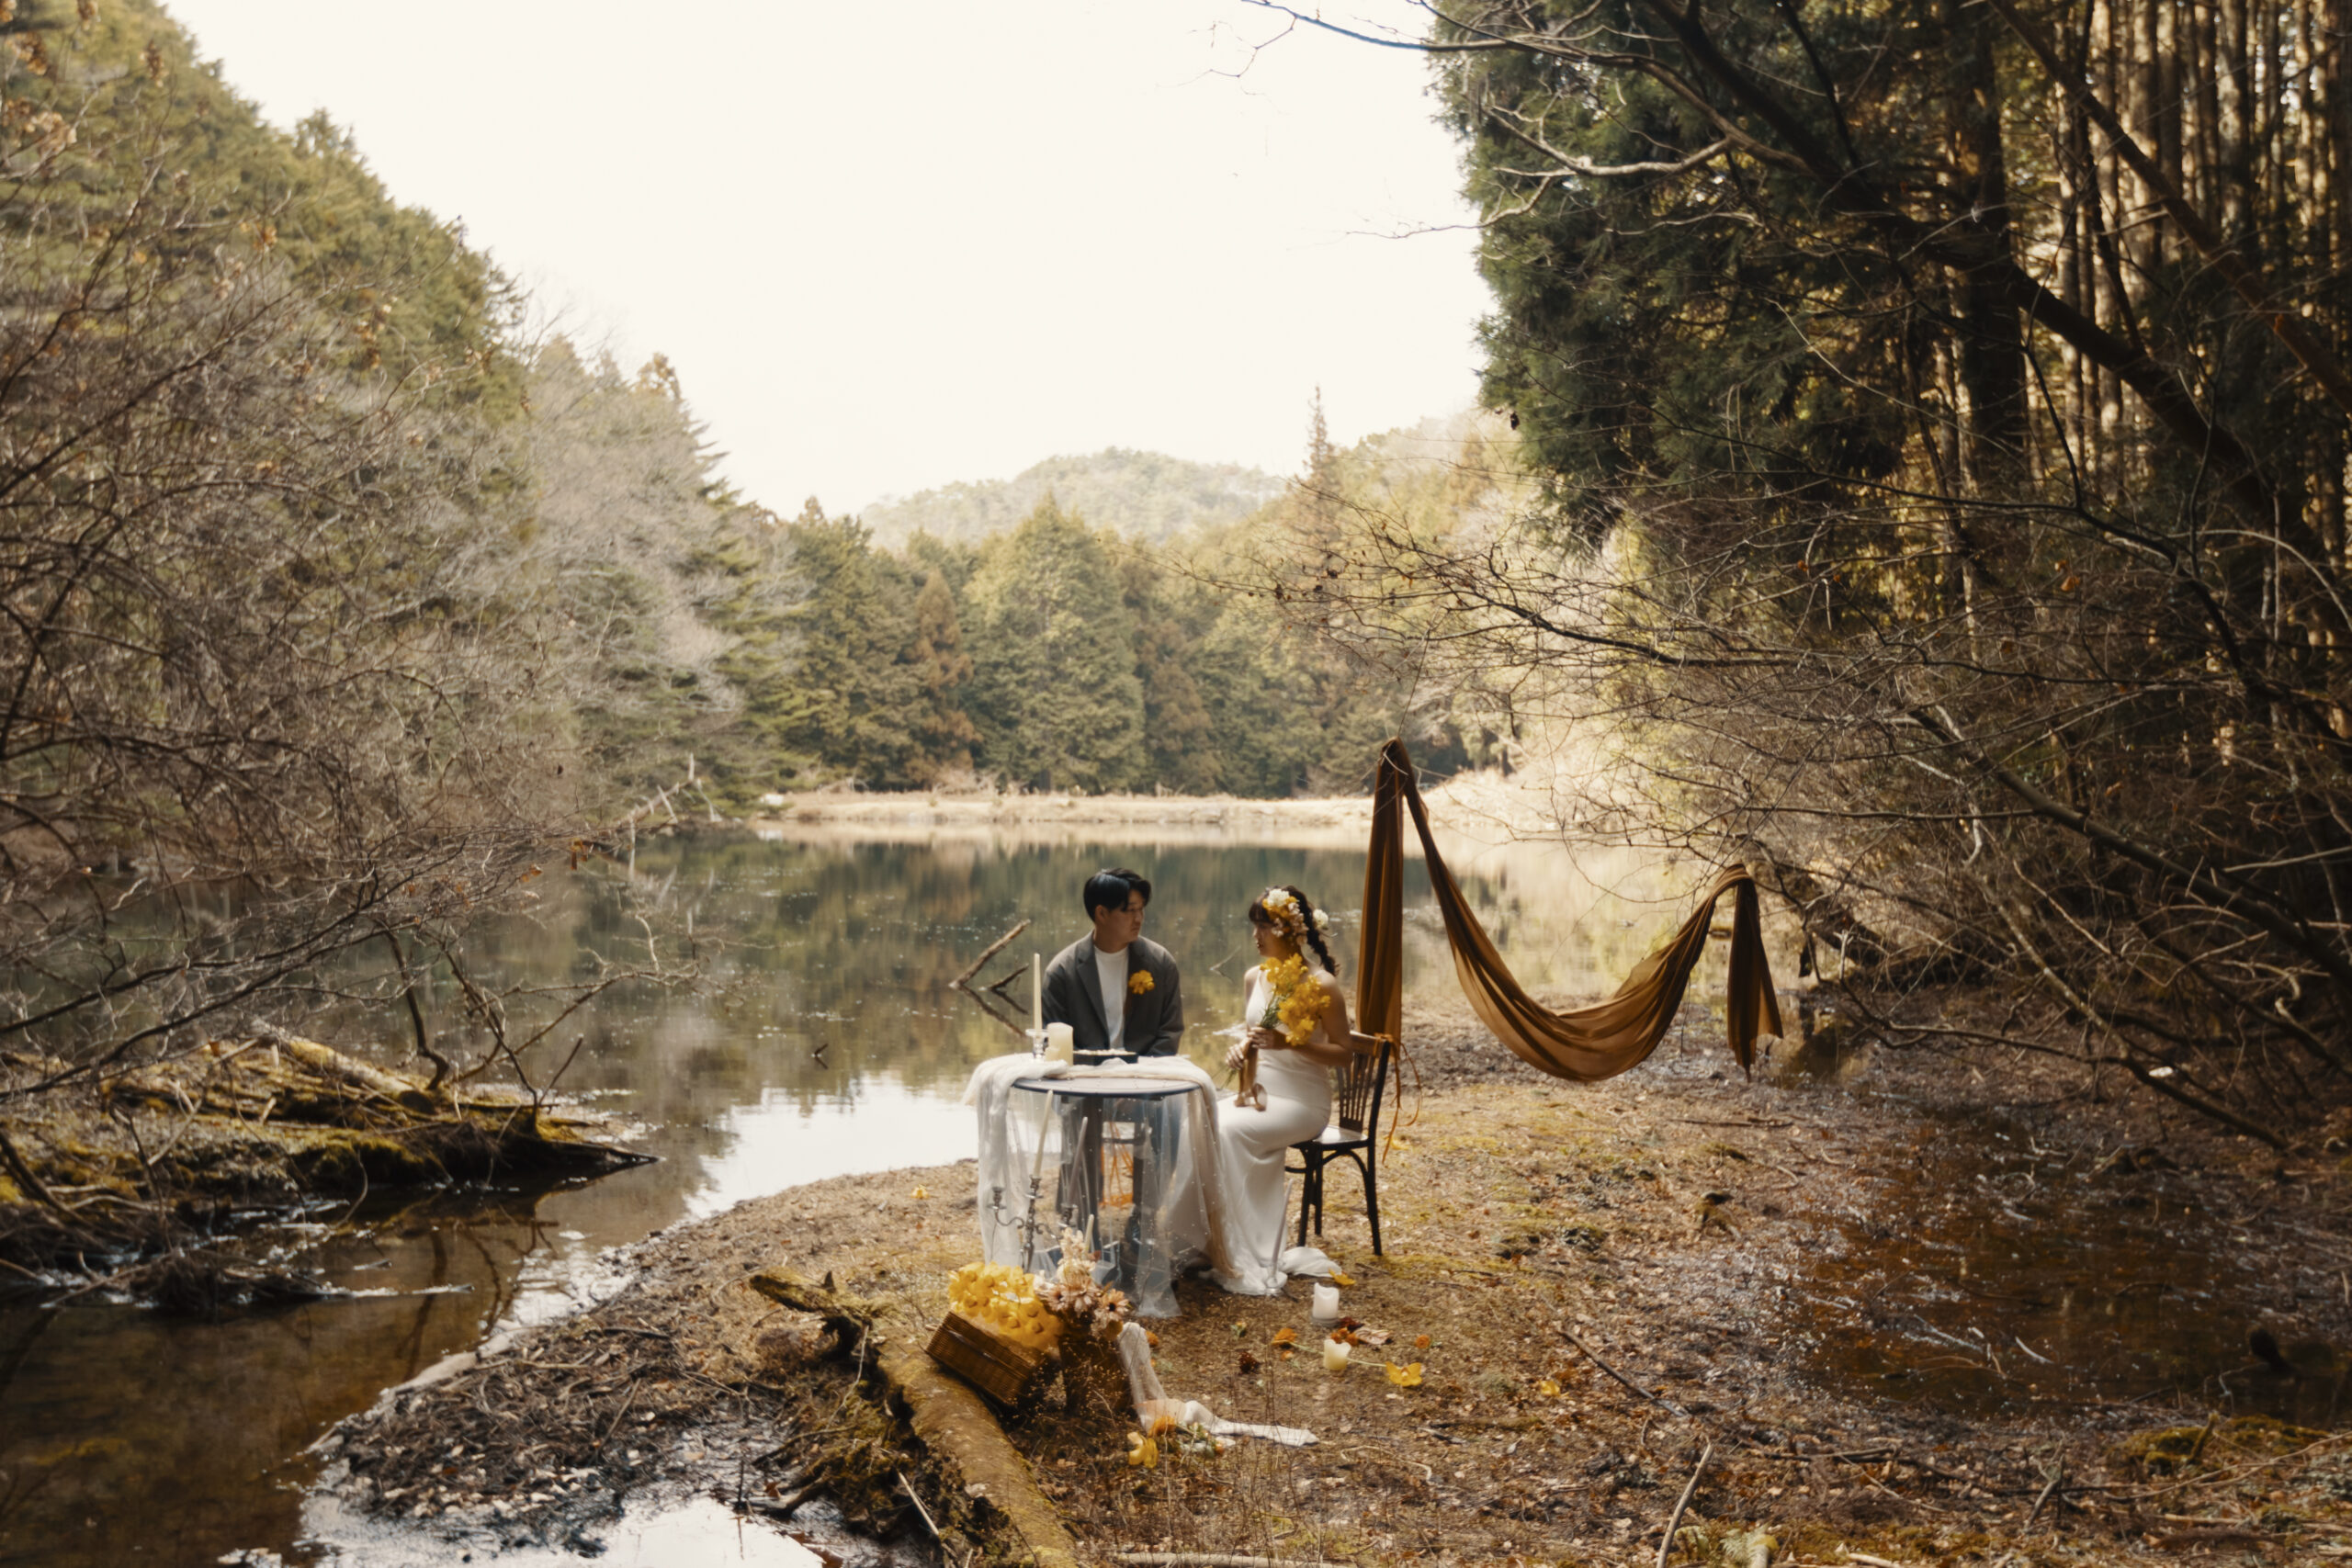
x: 1598, y: 1285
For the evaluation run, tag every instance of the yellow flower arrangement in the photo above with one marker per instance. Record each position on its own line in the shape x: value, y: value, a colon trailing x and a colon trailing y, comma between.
x: 1003, y: 1300
x: 1295, y: 1004
x: 1140, y: 983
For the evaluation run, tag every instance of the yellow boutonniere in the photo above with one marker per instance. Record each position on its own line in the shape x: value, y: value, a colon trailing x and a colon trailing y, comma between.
x: 1139, y: 982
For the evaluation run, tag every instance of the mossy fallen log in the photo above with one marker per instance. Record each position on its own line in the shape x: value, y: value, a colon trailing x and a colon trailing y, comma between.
x: 135, y: 1161
x: 951, y: 1421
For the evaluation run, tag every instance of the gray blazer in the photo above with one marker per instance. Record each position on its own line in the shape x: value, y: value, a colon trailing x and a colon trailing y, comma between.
x: 1154, y: 1020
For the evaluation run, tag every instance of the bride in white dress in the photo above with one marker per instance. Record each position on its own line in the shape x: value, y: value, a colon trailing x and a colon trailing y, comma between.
x: 1296, y: 1081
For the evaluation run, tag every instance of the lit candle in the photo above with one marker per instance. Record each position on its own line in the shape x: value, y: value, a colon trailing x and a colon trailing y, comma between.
x: 1037, y: 991
x: 1335, y: 1355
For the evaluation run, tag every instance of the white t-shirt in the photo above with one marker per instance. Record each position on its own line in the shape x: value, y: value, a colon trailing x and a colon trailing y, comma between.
x: 1112, y: 969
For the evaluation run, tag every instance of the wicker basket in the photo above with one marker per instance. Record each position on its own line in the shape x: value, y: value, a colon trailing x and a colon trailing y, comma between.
x: 998, y: 1368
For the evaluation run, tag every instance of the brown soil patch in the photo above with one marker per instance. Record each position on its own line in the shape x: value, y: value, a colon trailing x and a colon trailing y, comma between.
x: 1592, y: 1324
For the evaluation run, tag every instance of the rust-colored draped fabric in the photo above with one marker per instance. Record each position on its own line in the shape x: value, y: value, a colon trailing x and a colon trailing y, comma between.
x: 1588, y: 1044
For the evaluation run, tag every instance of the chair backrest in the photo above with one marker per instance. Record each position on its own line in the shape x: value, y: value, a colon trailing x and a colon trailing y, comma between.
x: 1356, y: 1104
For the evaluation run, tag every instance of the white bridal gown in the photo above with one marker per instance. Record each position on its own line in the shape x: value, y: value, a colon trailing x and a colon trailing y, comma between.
x: 1254, y: 1145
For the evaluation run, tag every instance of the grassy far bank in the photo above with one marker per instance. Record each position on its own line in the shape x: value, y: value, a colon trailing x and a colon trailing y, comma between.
x: 1595, y: 1320
x: 1484, y: 800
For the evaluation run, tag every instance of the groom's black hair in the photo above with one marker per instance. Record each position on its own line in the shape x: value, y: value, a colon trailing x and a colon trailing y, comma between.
x: 1109, y: 889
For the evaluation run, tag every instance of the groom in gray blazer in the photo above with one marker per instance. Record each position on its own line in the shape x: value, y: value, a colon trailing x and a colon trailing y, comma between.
x: 1119, y: 992
x: 1122, y: 998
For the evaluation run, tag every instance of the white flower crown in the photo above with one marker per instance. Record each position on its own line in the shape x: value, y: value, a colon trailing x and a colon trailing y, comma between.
x: 1283, y: 911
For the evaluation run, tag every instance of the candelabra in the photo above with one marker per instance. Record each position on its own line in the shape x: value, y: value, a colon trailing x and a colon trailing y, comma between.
x: 1028, y: 1225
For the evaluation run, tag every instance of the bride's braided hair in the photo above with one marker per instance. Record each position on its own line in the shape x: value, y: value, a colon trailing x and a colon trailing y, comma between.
x: 1302, y: 926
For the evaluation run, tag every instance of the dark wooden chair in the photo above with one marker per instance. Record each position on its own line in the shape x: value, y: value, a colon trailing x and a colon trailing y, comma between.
x: 1353, y: 1134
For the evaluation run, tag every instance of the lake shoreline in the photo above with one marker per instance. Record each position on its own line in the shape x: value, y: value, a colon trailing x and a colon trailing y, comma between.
x: 1486, y: 802
x: 1573, y: 1372
x: 1104, y: 810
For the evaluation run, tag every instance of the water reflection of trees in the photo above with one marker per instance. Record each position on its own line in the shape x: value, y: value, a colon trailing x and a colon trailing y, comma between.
x: 826, y: 963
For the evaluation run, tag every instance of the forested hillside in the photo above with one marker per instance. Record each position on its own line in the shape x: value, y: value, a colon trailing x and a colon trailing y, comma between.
x: 1058, y: 655
x: 1138, y: 495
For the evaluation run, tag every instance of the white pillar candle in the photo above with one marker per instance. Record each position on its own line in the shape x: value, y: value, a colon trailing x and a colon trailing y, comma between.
x: 1327, y: 1304
x: 1335, y: 1355
x: 1060, y: 1039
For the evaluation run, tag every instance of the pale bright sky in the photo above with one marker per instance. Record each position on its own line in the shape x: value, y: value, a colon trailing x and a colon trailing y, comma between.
x: 889, y: 247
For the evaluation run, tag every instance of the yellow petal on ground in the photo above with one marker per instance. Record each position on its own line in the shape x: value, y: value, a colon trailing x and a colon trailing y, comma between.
x: 1547, y: 1388
x: 1285, y: 1337
x: 1142, y: 1453
x: 1404, y: 1376
x: 922, y: 1191
x: 1339, y: 1279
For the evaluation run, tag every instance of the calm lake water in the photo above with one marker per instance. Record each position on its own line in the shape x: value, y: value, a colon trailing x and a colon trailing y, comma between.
x: 821, y: 1038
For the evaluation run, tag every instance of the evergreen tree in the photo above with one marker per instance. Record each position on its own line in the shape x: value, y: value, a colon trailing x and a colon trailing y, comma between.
x: 953, y: 559
x: 1054, y: 688
x: 944, y: 733
x: 854, y: 692
x: 1168, y: 612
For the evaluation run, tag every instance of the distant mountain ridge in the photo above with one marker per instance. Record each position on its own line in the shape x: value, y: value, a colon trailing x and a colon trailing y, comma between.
x: 1143, y: 495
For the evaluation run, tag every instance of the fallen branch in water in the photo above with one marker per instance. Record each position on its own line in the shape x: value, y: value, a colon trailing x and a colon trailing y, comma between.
x: 999, y: 945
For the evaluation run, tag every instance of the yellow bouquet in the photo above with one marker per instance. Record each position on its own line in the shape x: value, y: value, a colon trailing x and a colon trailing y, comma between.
x: 1294, y: 1002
